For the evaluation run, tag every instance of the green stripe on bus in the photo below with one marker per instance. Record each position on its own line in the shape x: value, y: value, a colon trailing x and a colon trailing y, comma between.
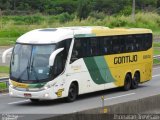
x: 84, y: 35
x: 94, y: 70
x: 39, y: 85
x: 104, y: 69
x: 98, y: 69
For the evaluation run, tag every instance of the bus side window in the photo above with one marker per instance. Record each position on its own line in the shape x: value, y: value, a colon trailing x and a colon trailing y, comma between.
x: 147, y: 41
x: 123, y: 45
x: 58, y: 66
x: 94, y: 47
x: 104, y: 45
x: 129, y: 43
x: 139, y: 43
x: 63, y: 55
x: 116, y: 47
x: 76, y: 53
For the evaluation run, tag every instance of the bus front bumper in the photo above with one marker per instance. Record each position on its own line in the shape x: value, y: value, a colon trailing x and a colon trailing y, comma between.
x: 43, y: 94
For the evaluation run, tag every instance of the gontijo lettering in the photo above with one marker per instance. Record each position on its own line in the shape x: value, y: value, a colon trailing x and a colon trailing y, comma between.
x: 125, y: 59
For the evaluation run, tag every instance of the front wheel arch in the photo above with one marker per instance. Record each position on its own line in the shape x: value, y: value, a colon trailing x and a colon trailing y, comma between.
x: 73, y: 92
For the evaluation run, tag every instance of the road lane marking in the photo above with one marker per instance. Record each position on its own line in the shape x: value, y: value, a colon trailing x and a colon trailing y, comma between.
x: 156, y: 75
x: 18, y: 102
x: 119, y: 96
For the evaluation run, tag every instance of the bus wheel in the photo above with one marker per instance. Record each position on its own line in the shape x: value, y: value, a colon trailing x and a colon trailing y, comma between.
x: 73, y: 92
x: 135, y: 80
x: 34, y: 100
x: 127, y: 82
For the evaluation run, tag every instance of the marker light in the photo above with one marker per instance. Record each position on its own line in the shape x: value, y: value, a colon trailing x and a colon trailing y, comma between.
x: 46, y: 87
x: 11, y: 86
x: 11, y: 93
x: 46, y: 95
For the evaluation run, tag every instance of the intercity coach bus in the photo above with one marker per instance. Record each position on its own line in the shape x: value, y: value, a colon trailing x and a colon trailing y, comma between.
x: 65, y: 62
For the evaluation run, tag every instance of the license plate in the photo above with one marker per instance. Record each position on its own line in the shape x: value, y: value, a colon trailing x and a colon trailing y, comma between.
x: 27, y: 95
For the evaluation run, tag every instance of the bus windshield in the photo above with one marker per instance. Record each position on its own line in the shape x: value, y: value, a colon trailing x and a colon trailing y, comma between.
x: 30, y: 63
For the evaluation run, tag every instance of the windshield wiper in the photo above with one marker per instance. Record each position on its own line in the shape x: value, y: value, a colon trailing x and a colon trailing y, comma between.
x: 27, y: 68
x: 33, y: 69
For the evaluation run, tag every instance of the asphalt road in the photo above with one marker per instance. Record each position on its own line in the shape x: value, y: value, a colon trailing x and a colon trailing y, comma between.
x: 10, y: 105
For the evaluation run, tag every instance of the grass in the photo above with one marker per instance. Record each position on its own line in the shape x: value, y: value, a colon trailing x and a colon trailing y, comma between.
x: 3, y: 86
x: 156, y: 51
x: 4, y: 69
x: 156, y: 61
x: 156, y: 44
x: 11, y: 27
x: 6, y: 41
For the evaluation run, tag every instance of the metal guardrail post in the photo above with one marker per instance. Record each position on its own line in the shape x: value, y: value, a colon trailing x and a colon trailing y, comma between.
x: 104, y: 109
x: 156, y: 56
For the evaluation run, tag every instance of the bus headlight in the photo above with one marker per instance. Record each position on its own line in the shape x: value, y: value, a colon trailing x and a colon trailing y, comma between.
x: 11, y: 93
x: 46, y: 95
x: 11, y: 86
x: 46, y: 87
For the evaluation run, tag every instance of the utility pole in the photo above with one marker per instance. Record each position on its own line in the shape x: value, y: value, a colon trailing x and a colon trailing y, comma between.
x: 14, y: 4
x: 133, y: 11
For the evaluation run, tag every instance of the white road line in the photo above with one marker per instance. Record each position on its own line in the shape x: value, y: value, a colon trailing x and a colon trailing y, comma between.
x: 119, y: 96
x: 156, y: 75
x: 156, y: 68
x: 18, y: 102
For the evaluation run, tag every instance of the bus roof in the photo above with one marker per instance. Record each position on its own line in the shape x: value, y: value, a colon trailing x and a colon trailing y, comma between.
x: 54, y: 35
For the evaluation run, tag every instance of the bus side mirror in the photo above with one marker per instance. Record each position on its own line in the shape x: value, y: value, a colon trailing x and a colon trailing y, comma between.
x: 53, y: 56
x: 4, y: 54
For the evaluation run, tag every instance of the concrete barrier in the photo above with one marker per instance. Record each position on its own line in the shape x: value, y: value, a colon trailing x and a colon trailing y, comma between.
x: 136, y: 107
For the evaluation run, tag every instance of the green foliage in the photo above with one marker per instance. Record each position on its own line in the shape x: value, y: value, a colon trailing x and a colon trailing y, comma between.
x: 4, y: 69
x: 80, y: 7
x: 31, y: 19
x: 11, y: 33
x: 156, y: 51
x: 65, y: 17
x: 10, y: 30
x: 3, y: 86
x: 156, y: 61
x: 156, y: 44
x: 97, y: 15
x: 118, y: 22
x: 126, y: 11
x: 83, y: 9
x: 5, y: 41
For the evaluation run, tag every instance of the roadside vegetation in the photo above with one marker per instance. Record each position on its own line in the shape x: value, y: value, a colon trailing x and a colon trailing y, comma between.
x: 11, y: 27
x: 3, y: 86
x: 4, y: 71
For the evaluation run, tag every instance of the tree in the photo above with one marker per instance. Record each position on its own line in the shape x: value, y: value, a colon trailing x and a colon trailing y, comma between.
x: 83, y: 9
x: 133, y: 10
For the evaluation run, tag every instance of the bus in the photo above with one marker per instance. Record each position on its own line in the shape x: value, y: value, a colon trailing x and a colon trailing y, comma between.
x: 65, y: 62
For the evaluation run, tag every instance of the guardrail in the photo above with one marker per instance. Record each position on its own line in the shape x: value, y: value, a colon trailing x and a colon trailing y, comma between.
x: 156, y: 56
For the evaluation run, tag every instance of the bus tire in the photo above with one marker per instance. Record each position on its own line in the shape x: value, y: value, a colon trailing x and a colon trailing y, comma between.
x: 34, y: 100
x: 72, y: 93
x: 136, y: 80
x: 127, y: 82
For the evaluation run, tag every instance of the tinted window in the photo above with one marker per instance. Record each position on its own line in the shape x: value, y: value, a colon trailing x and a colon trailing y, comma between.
x: 61, y: 58
x: 106, y: 45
